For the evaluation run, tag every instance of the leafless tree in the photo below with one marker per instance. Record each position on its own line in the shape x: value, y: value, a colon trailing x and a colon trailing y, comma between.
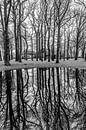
x: 5, y: 15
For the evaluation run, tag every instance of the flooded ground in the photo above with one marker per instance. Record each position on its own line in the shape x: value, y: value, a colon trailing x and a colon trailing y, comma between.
x: 43, y: 99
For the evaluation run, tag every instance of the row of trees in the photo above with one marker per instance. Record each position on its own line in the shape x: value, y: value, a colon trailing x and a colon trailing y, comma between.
x: 56, y: 28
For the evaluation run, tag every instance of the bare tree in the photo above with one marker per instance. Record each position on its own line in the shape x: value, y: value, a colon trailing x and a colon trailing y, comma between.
x: 80, y: 28
x: 5, y: 23
x: 62, y: 8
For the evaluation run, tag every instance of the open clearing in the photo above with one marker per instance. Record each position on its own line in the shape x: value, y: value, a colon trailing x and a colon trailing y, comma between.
x: 80, y: 64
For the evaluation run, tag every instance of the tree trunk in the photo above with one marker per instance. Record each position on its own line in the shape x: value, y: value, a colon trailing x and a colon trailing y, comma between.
x: 64, y: 42
x: 53, y: 55
x: 41, y: 40
x: 6, y: 48
x: 37, y: 46
x: 76, y: 54
x: 77, y: 42
x: 83, y: 51
x: 48, y: 44
x: 68, y: 40
x: 58, y: 44
x: 44, y: 41
x: 19, y: 29
x: 15, y: 33
x: 32, y: 48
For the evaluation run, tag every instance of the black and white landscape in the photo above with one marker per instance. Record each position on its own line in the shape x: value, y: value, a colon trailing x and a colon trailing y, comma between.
x: 42, y: 64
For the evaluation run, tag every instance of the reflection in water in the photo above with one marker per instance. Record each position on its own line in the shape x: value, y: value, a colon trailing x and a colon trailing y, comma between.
x: 0, y: 85
x: 43, y: 99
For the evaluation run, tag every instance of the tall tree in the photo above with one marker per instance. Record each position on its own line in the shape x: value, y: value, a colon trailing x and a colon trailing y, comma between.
x: 61, y: 8
x: 15, y: 15
x: 80, y: 28
x: 83, y: 6
x: 5, y: 15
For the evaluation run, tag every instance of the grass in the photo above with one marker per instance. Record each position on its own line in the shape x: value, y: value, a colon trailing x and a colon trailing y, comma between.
x: 80, y: 64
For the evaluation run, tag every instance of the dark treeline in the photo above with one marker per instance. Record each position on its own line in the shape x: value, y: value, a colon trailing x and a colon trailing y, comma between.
x: 42, y: 29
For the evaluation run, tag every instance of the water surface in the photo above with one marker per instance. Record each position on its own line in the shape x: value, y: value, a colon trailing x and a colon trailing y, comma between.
x: 43, y: 99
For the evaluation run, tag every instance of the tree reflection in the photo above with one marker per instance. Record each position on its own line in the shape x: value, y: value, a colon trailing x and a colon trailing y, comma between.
x: 80, y: 92
x: 43, y: 99
x: 9, y: 115
x: 0, y: 86
x: 49, y: 94
x: 13, y: 105
x: 20, y: 101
